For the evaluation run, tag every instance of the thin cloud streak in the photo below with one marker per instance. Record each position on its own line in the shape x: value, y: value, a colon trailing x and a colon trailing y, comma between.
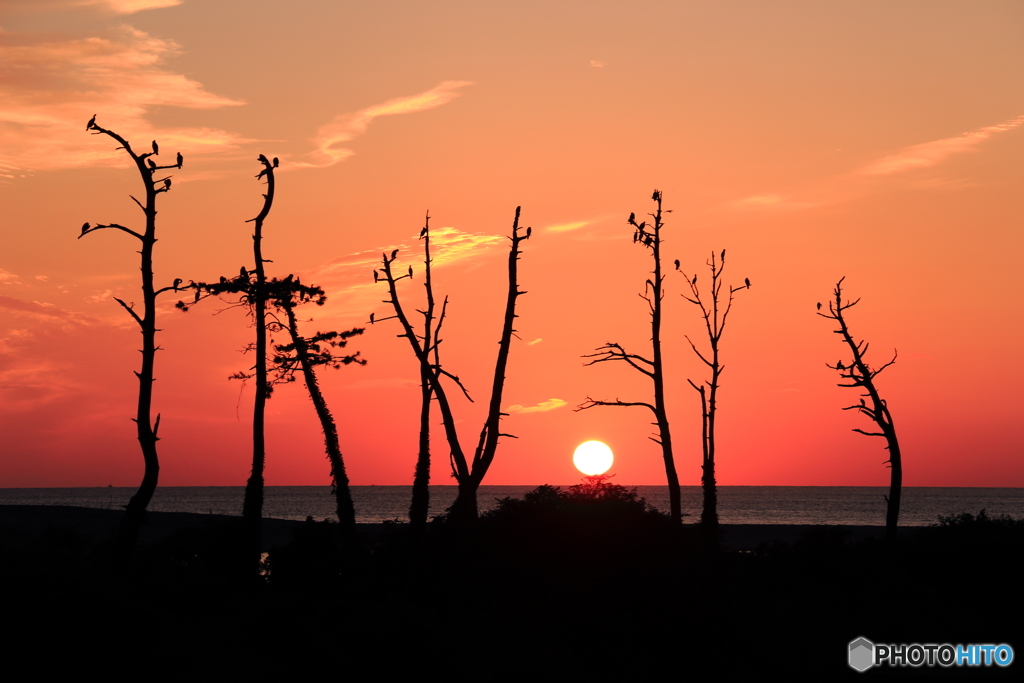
x: 542, y: 407
x: 350, y: 278
x: 346, y: 127
x: 128, y: 6
x: 566, y: 227
x: 936, y: 151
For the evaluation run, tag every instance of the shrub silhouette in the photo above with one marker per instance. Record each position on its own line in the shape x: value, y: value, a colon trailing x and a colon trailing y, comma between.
x: 586, y: 520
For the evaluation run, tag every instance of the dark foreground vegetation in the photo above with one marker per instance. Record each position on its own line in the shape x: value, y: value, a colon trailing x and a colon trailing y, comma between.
x: 583, y: 582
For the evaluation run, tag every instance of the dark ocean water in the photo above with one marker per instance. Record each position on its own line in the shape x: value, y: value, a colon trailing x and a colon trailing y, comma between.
x: 859, y: 505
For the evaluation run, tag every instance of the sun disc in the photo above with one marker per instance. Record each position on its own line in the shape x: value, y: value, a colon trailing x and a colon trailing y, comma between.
x: 592, y: 458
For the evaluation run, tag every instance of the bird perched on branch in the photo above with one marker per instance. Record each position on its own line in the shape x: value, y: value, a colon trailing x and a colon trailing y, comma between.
x: 92, y: 122
x: 529, y: 231
x: 275, y: 162
x: 156, y: 148
x: 152, y: 164
x: 394, y: 254
x: 819, y: 305
x: 376, y: 278
x: 423, y: 231
x: 746, y: 281
x: 262, y: 159
x: 677, y: 264
x: 180, y: 159
x: 85, y: 228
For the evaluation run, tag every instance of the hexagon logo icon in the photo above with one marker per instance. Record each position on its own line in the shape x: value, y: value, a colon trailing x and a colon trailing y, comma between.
x: 862, y: 654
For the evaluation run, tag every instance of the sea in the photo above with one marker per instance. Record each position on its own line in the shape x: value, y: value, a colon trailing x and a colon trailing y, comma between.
x: 852, y: 505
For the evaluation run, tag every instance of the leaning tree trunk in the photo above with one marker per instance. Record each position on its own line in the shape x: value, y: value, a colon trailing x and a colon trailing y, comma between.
x: 339, y: 479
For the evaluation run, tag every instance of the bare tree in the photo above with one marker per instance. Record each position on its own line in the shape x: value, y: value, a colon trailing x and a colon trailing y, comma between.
x: 419, y: 506
x: 648, y: 235
x: 146, y: 428
x: 304, y: 354
x: 468, y: 473
x: 251, y: 285
x: 715, y: 314
x: 858, y: 374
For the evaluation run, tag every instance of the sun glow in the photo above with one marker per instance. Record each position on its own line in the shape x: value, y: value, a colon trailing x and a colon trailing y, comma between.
x: 592, y: 458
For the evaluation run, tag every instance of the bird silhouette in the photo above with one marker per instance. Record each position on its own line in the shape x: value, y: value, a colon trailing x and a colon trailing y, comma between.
x: 167, y: 183
x: 156, y: 148
x: 746, y: 281
x: 632, y: 218
x: 275, y: 162
x: 840, y: 366
x: 529, y: 231
x: 423, y: 231
x: 410, y: 271
x: 375, y: 276
x: 243, y: 272
x: 649, y: 241
x: 371, y: 316
x: 694, y: 280
x: 152, y: 164
x: 180, y: 159
x: 85, y: 228
x: 819, y: 305
x: 677, y: 264
x: 177, y: 281
x: 92, y: 122
x: 262, y: 159
x: 394, y: 254
x: 636, y: 236
x: 656, y: 196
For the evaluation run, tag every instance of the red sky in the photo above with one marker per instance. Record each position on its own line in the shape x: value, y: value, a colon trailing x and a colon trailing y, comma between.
x: 876, y: 141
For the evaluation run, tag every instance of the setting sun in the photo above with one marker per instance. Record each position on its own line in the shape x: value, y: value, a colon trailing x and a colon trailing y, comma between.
x: 592, y: 458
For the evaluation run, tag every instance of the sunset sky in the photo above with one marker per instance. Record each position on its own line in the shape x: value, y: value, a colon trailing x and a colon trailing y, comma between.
x: 878, y: 141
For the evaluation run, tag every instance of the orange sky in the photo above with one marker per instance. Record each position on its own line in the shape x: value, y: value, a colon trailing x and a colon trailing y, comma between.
x: 872, y: 140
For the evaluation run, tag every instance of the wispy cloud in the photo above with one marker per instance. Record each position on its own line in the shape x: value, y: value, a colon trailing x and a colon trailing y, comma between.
x: 936, y: 151
x: 536, y: 341
x: 595, y: 63
x: 349, y: 279
x: 8, y: 278
x: 566, y: 227
x: 346, y: 127
x: 128, y: 6
x: 770, y: 200
x: 542, y: 407
x: 39, y: 309
x: 50, y: 89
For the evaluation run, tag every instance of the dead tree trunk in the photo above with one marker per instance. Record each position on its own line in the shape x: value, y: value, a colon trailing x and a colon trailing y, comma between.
x: 860, y: 375
x: 308, y: 354
x: 715, y: 315
x: 252, y: 505
x: 468, y: 473
x: 146, y: 428
x: 648, y: 236
x: 419, y: 506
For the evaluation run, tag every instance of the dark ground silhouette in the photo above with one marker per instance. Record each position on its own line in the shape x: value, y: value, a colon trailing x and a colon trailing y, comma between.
x: 552, y: 586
